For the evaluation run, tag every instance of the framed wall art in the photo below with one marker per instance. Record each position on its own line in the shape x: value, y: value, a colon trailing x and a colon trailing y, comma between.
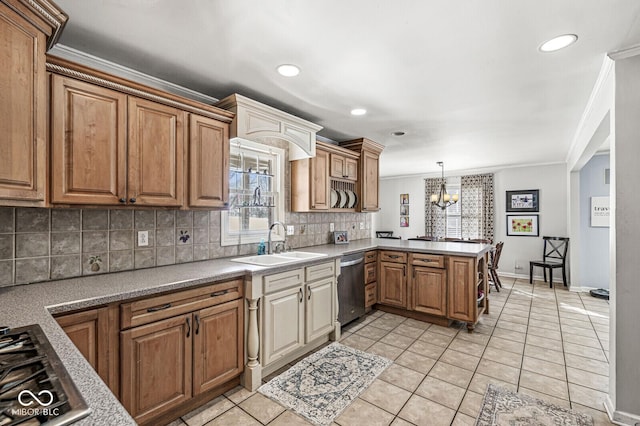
x: 523, y: 201
x: 340, y: 237
x: 522, y: 225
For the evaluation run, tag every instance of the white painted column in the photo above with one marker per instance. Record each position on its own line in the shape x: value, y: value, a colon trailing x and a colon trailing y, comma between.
x: 623, y: 403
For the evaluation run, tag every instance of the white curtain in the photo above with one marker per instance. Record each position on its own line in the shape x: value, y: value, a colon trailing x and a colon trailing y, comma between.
x: 477, y: 206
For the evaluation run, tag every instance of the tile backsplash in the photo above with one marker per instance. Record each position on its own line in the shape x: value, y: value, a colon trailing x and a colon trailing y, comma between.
x: 48, y: 244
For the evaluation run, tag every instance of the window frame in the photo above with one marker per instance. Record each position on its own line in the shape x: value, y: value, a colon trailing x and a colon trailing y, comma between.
x: 230, y: 238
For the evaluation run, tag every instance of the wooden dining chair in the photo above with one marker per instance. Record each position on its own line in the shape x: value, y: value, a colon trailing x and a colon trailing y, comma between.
x: 384, y: 234
x: 554, y: 255
x: 422, y: 238
x: 493, y: 265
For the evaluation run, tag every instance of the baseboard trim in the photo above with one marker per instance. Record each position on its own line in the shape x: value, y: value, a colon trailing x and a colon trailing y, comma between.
x: 620, y: 417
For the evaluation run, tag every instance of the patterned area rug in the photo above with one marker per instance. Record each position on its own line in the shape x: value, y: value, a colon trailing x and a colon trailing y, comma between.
x: 322, y: 385
x: 502, y: 407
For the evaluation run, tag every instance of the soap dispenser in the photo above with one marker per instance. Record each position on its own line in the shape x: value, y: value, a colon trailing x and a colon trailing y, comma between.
x: 261, y: 247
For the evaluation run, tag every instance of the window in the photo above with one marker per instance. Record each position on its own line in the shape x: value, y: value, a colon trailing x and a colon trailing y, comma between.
x: 453, y: 216
x: 256, y: 193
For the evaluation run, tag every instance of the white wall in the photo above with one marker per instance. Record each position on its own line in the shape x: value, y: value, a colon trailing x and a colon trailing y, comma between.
x: 549, y: 179
x: 594, y: 242
x: 388, y: 218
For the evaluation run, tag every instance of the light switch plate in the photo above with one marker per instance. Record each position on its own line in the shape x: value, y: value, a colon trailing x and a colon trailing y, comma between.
x: 290, y: 230
x: 143, y: 238
x: 332, y: 227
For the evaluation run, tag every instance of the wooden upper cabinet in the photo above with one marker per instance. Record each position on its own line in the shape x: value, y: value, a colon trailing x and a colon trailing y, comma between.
x: 208, y: 162
x: 344, y: 167
x: 23, y: 109
x: 320, y: 199
x: 369, y: 200
x: 88, y: 143
x: 156, y: 154
x: 368, y: 173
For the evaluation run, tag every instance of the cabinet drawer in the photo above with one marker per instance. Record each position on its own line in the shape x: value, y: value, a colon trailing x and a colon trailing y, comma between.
x: 370, y: 256
x: 393, y: 256
x: 430, y: 260
x: 370, y: 291
x: 155, y: 308
x: 370, y: 274
x: 322, y: 270
x: 283, y: 280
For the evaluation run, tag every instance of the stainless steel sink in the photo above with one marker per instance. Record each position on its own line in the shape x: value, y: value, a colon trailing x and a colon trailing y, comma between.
x: 278, y: 259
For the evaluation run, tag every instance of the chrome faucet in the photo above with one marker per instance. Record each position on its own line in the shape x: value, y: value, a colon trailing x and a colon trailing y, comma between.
x: 273, y: 225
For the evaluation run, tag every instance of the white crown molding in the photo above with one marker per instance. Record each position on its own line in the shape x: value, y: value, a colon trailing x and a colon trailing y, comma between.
x: 625, y: 53
x: 454, y: 173
x: 77, y: 56
x: 599, y: 87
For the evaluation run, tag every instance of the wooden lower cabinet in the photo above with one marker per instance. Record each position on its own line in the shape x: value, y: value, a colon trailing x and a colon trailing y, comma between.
x: 392, y: 284
x: 462, y: 290
x: 218, y: 354
x: 95, y: 334
x: 156, y: 367
x: 370, y: 294
x: 284, y: 318
x: 429, y: 287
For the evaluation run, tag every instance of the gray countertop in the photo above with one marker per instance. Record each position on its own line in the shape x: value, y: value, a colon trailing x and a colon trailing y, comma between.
x: 35, y: 303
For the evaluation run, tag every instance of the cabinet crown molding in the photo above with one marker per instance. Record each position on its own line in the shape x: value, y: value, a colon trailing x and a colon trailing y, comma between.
x: 258, y: 122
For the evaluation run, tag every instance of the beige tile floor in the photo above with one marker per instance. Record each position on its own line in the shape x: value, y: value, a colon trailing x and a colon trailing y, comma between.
x: 549, y: 343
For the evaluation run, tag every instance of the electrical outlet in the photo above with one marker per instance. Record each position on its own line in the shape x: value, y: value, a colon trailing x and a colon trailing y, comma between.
x: 332, y: 227
x: 517, y: 265
x: 290, y: 230
x: 361, y: 225
x: 143, y: 238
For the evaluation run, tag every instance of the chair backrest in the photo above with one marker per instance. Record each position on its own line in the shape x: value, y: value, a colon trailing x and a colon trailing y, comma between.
x: 495, y: 255
x: 391, y: 238
x: 382, y: 234
x: 422, y: 238
x: 480, y: 240
x: 555, y: 248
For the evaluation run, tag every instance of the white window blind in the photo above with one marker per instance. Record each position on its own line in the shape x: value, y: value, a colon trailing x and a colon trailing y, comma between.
x: 454, y: 219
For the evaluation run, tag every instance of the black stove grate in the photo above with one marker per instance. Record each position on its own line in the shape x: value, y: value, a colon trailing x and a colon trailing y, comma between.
x: 35, y: 389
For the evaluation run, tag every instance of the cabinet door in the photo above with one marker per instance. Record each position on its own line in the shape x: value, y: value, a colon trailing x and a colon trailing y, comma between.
x: 156, y: 157
x: 429, y: 287
x: 88, y: 143
x: 95, y: 334
x: 156, y: 367
x: 351, y: 168
x: 320, y: 181
x: 370, y: 274
x: 393, y: 284
x: 319, y: 310
x: 283, y: 324
x: 218, y: 344
x: 369, y: 193
x: 23, y: 108
x: 338, y: 169
x: 461, y: 287
x: 208, y: 162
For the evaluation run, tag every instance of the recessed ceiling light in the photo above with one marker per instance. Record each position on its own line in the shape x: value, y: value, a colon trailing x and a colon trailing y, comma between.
x: 358, y: 111
x: 288, y: 70
x: 398, y: 133
x: 558, y: 43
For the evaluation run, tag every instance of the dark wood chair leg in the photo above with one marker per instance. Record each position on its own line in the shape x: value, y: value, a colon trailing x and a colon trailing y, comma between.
x: 497, y: 279
x: 530, y: 273
x: 564, y: 276
x: 550, y: 277
x: 493, y: 278
x: 544, y: 273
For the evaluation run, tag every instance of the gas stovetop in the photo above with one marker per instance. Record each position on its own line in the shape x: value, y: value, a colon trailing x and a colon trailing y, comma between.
x: 35, y: 388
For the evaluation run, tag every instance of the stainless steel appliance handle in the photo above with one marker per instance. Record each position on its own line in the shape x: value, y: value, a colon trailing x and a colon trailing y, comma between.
x: 352, y: 262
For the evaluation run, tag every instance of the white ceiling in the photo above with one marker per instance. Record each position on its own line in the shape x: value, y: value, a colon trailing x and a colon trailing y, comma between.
x: 463, y: 79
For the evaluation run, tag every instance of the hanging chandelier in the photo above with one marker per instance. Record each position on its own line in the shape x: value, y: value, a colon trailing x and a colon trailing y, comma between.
x: 443, y: 199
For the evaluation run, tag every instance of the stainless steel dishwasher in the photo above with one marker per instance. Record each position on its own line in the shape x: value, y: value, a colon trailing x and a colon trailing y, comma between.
x: 351, y: 288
